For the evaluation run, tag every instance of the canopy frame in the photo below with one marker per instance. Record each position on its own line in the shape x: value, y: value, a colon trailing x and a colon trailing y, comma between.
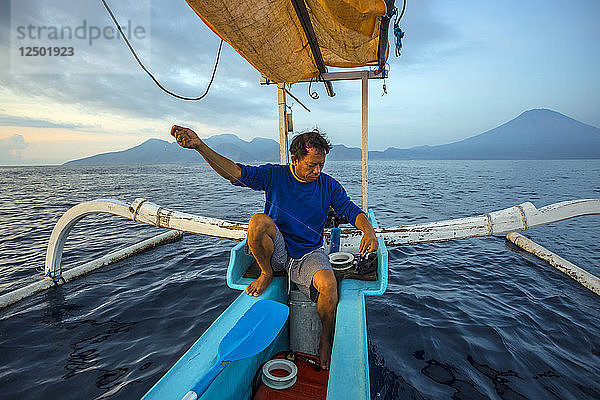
x: 302, y: 13
x: 383, y: 35
x: 364, y: 75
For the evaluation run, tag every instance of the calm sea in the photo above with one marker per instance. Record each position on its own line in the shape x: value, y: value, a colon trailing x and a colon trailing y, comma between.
x: 470, y: 319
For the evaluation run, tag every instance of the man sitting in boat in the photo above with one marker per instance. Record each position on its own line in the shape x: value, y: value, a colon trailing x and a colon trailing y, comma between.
x: 288, y: 236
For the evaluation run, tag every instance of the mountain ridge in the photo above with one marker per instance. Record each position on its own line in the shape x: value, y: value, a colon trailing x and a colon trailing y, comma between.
x: 534, y: 134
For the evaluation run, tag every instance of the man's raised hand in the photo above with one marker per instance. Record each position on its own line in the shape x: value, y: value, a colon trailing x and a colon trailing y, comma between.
x: 185, y: 137
x: 188, y: 139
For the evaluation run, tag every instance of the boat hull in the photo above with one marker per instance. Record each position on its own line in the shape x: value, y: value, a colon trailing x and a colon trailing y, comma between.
x: 349, y: 359
x: 235, y: 381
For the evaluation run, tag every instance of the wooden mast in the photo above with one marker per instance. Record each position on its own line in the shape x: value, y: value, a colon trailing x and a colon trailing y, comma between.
x: 282, y: 124
x: 365, y: 140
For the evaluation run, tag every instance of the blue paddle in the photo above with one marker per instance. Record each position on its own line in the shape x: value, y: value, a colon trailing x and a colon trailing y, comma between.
x: 253, y: 332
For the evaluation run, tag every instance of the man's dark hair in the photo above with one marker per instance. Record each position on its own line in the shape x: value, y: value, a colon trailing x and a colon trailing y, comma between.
x: 304, y: 141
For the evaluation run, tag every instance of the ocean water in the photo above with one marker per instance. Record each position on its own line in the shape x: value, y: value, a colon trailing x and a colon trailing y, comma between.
x: 469, y: 319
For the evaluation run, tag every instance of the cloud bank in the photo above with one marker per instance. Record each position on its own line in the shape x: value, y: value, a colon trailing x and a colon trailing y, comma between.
x: 10, y: 149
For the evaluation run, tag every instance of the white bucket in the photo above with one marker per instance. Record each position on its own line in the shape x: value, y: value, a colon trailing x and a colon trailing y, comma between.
x: 279, y: 382
x: 341, y: 261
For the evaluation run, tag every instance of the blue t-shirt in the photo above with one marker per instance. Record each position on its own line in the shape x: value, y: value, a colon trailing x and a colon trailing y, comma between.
x: 299, y: 209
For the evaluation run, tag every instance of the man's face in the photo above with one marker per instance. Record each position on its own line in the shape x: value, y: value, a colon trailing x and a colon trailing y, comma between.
x: 310, y: 166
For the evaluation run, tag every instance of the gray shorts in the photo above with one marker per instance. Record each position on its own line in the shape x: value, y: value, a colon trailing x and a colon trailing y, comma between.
x: 301, y: 270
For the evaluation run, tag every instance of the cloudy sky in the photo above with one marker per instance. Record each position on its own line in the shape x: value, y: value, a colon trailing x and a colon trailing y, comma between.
x: 467, y: 66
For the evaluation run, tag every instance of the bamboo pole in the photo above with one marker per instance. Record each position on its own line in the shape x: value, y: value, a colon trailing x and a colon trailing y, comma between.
x: 517, y: 218
x: 12, y: 297
x: 139, y: 210
x: 566, y: 267
x: 365, y: 139
x: 282, y: 124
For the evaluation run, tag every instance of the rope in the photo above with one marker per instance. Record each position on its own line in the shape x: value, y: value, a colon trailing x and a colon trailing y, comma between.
x: 403, y: 9
x: 313, y: 95
x: 388, y: 68
x: 398, y: 33
x: 150, y: 74
x: 55, y: 278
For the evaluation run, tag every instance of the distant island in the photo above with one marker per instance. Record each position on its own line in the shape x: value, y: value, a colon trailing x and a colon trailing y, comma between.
x: 535, y: 134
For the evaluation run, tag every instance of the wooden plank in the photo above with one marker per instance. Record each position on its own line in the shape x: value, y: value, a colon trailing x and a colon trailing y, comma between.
x: 521, y: 217
x: 140, y: 211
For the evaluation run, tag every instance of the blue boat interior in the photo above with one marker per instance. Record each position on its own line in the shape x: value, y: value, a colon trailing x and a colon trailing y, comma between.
x: 349, y: 359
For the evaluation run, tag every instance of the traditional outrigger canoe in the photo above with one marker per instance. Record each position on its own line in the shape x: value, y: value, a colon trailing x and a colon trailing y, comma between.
x: 349, y: 362
x: 349, y: 373
x: 289, y: 42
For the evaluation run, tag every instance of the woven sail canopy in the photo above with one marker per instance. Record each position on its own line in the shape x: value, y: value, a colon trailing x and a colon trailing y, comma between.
x: 271, y: 35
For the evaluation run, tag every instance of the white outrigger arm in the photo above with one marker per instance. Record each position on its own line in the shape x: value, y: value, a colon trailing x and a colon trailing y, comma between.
x: 140, y: 210
x: 517, y: 218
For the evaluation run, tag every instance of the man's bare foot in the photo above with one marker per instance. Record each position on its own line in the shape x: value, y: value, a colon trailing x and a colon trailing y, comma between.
x: 259, y: 285
x: 325, y: 351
